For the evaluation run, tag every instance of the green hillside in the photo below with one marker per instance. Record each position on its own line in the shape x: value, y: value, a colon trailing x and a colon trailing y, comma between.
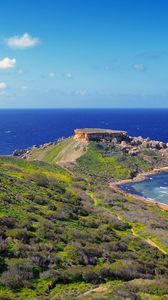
x: 67, y: 150
x: 66, y: 235
x: 97, y: 159
x: 102, y: 162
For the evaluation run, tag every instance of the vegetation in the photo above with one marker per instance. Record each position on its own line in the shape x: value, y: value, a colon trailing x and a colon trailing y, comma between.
x: 65, y: 235
x: 106, y: 162
x: 65, y: 150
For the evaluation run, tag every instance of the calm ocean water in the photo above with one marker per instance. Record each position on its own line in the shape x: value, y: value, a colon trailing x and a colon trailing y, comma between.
x: 154, y: 187
x: 24, y: 128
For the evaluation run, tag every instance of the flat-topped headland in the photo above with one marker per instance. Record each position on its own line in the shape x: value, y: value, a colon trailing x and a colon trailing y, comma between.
x: 120, y: 139
x: 97, y: 134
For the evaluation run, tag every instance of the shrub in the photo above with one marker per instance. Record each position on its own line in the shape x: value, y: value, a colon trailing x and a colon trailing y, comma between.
x: 41, y: 180
x: 21, y: 234
x: 2, y: 264
x: 7, y: 222
x: 45, y: 230
x: 90, y: 276
x: 39, y: 200
x: 89, y: 221
x: 72, y: 275
x: 56, y: 186
x: 127, y: 270
x: 75, y: 254
x: 17, y: 276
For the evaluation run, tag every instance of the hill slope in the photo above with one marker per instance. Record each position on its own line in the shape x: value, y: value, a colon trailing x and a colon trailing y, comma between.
x: 67, y: 235
x: 67, y: 150
x: 99, y: 159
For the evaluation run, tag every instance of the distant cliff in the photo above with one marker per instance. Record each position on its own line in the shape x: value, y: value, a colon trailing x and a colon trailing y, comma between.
x: 97, y: 134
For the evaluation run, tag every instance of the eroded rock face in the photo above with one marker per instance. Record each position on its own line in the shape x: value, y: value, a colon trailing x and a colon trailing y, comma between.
x: 80, y: 136
x: 93, y: 134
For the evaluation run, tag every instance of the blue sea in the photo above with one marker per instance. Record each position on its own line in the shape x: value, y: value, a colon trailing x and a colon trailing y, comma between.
x: 154, y: 187
x: 22, y: 128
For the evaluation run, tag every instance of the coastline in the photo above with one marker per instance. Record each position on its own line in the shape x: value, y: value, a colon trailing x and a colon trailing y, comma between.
x: 140, y: 177
x: 23, y: 154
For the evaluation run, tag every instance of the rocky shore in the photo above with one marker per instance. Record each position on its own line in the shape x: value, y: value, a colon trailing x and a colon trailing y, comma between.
x: 133, y: 145
x: 24, y: 153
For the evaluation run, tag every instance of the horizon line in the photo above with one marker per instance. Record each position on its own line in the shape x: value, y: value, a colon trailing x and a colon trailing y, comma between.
x: 98, y: 108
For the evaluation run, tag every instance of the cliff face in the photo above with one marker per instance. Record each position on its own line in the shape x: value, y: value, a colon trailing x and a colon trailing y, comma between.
x: 79, y: 135
x: 90, y: 134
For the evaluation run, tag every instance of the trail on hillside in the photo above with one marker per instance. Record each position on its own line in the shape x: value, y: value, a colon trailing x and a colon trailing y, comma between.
x: 120, y: 218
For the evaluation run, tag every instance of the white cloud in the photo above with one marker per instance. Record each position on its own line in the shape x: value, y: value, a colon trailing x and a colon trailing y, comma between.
x: 7, y: 63
x: 68, y: 75
x: 139, y: 67
x: 51, y: 74
x: 22, y: 42
x: 3, y: 85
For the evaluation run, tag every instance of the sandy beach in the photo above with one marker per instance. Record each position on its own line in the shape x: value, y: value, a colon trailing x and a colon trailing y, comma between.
x: 140, y: 177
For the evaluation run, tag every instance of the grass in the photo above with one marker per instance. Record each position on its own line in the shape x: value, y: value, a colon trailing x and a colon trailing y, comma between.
x: 101, y: 164
x: 66, y: 150
x: 94, y: 163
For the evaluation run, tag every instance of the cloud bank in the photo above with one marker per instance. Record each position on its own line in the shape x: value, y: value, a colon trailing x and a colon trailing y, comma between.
x: 22, y: 42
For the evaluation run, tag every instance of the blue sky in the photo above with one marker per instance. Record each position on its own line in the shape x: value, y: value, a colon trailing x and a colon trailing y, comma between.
x: 83, y: 53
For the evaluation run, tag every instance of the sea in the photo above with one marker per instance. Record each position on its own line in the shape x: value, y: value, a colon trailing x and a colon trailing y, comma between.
x: 23, y: 128
x: 154, y: 187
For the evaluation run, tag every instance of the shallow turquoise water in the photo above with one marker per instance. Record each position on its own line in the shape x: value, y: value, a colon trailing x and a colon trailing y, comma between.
x: 154, y: 187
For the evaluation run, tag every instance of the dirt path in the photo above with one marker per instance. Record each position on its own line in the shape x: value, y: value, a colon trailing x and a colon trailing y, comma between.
x: 149, y: 242
x: 120, y: 218
x: 98, y: 289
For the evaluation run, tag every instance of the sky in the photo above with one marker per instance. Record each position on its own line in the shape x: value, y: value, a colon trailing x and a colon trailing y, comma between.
x: 83, y: 53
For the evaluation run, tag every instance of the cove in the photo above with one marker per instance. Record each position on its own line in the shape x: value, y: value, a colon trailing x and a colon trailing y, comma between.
x: 154, y: 187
